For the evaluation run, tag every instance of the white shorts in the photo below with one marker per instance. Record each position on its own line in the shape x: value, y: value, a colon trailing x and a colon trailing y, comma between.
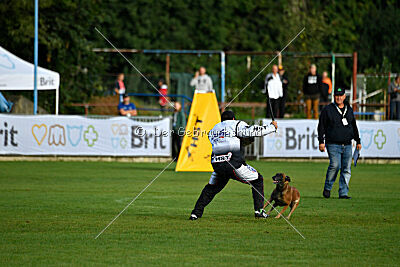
x: 244, y: 174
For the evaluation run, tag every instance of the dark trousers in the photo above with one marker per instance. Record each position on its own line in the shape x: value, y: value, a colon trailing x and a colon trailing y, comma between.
x: 322, y: 99
x: 394, y: 110
x: 282, y: 105
x: 274, y: 106
x: 176, y: 145
x: 210, y: 190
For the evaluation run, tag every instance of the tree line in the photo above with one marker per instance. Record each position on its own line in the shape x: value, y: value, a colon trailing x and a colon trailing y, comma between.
x: 67, y: 37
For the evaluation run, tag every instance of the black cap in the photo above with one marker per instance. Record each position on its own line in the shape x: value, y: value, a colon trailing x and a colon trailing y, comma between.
x: 125, y: 95
x: 339, y: 91
x: 227, y: 115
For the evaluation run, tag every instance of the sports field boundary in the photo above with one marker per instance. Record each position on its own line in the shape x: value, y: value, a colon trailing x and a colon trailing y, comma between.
x: 168, y: 159
x: 87, y: 158
x: 360, y: 161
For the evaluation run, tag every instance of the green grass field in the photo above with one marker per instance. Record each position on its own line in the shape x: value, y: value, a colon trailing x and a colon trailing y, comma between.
x: 51, y: 212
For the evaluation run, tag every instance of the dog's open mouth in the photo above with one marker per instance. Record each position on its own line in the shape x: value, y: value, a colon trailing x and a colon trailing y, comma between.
x: 275, y: 182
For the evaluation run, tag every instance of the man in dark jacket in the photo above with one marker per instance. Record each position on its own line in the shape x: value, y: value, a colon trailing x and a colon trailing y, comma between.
x: 178, y: 126
x: 336, y: 129
x: 312, y: 87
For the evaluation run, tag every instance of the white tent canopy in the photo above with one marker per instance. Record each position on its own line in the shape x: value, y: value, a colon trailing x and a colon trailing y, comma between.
x: 17, y: 74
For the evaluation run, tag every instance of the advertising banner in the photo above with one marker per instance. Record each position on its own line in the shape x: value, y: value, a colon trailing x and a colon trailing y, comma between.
x: 76, y: 135
x: 299, y: 138
x: 195, y: 154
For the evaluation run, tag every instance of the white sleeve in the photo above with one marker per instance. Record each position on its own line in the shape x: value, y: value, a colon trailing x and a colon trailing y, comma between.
x: 193, y: 82
x: 245, y: 130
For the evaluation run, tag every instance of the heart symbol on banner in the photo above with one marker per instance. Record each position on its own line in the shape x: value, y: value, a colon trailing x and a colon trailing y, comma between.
x: 114, y: 128
x: 39, y: 132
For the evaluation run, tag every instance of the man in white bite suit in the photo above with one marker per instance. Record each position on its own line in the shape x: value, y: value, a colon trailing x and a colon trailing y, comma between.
x: 228, y: 139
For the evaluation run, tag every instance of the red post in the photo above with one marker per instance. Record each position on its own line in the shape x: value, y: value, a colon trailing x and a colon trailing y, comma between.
x: 354, y: 80
x: 167, y: 63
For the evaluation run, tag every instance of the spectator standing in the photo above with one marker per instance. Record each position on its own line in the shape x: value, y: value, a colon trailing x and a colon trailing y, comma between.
x: 312, y: 84
x: 178, y: 127
x: 326, y: 87
x: 201, y: 81
x: 163, y: 90
x: 273, y: 85
x: 394, y: 91
x: 120, y: 86
x: 285, y: 84
x: 336, y: 129
x: 126, y: 108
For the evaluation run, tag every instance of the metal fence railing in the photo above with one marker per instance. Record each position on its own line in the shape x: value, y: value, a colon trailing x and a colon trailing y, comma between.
x: 134, y: 118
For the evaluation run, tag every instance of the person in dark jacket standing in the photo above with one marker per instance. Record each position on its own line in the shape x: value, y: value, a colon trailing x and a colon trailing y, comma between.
x: 312, y: 87
x: 394, y: 91
x: 336, y: 129
x: 178, y: 126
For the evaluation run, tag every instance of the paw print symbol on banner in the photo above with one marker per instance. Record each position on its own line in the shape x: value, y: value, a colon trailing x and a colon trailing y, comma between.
x: 380, y: 139
x: 90, y: 136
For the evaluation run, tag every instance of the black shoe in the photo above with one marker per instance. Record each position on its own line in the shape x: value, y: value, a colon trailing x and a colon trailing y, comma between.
x: 261, y: 214
x: 344, y: 197
x: 326, y: 193
x: 193, y: 217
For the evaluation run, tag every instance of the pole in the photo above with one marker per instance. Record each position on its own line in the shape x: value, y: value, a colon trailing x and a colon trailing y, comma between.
x: 167, y: 63
x: 35, y: 56
x: 354, y: 80
x: 57, y: 99
x: 279, y: 58
x: 222, y: 77
x: 333, y: 76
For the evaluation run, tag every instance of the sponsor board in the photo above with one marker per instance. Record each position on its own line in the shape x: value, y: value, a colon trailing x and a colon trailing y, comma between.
x: 299, y: 138
x: 75, y: 135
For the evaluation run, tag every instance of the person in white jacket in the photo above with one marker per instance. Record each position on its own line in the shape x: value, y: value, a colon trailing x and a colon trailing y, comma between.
x: 273, y: 85
x: 202, y: 82
x: 228, y: 139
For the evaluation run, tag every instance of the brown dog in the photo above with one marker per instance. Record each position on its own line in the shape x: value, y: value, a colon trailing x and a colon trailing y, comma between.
x: 283, y: 195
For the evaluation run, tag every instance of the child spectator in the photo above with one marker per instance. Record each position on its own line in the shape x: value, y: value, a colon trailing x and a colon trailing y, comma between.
x: 126, y: 108
x: 163, y: 90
